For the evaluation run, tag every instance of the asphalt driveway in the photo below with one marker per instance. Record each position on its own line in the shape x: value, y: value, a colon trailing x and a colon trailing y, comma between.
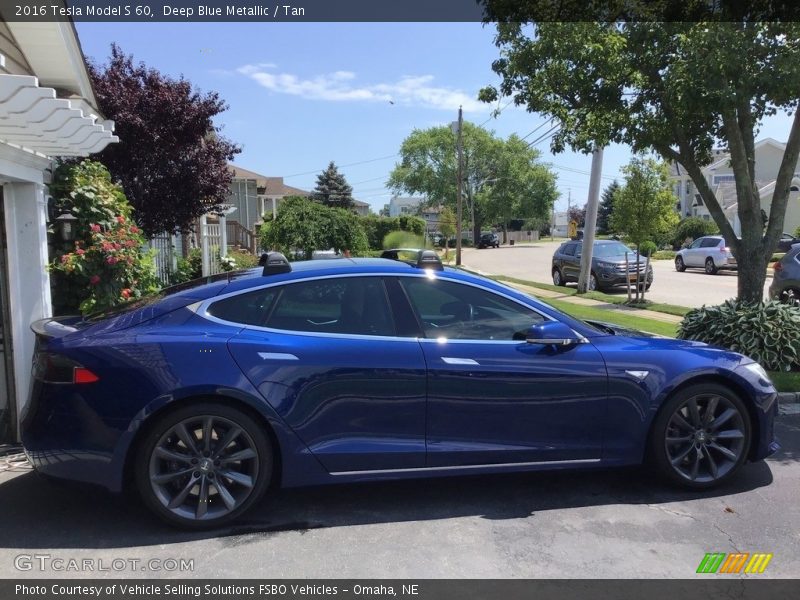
x: 570, y: 524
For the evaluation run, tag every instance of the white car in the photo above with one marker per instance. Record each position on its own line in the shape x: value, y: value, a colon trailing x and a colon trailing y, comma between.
x: 709, y: 252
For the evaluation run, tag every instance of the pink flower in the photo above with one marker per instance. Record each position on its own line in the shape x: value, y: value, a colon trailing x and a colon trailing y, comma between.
x: 80, y: 251
x: 134, y: 229
x: 94, y: 279
x: 111, y: 260
x: 120, y: 219
x: 107, y: 247
x: 95, y: 228
x: 117, y: 246
x: 64, y: 258
x: 126, y: 293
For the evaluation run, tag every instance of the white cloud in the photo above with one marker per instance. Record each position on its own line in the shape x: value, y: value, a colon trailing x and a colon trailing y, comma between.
x: 341, y: 86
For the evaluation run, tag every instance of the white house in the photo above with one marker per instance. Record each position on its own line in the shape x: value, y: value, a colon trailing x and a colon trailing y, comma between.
x: 719, y: 175
x: 404, y: 205
x: 47, y: 109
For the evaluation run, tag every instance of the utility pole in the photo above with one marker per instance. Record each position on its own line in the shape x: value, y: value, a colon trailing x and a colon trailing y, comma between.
x: 459, y: 186
x: 590, y: 222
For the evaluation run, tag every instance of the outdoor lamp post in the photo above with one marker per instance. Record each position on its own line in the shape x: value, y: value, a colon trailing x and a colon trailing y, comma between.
x: 66, y: 222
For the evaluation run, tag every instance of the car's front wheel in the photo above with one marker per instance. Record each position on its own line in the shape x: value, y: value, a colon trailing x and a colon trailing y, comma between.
x: 679, y: 264
x: 203, y: 465
x: 701, y: 436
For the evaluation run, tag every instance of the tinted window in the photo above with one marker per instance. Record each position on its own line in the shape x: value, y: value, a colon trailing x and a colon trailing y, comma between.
x: 611, y: 250
x: 696, y: 243
x: 710, y: 243
x: 458, y: 311
x: 251, y: 308
x: 355, y: 305
x: 569, y: 249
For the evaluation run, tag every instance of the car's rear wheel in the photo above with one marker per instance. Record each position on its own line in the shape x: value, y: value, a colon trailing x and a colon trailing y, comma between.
x: 203, y: 465
x: 558, y: 278
x: 679, y: 265
x: 711, y: 268
x: 593, y: 285
x: 701, y: 436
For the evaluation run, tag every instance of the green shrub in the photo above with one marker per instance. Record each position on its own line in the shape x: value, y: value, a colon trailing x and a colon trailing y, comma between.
x: 377, y: 228
x: 797, y: 232
x: 403, y: 239
x: 664, y: 255
x: 647, y: 248
x: 244, y: 260
x: 692, y: 228
x: 766, y: 332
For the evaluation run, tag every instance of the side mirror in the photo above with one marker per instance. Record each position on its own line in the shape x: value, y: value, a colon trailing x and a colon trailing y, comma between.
x: 553, y: 333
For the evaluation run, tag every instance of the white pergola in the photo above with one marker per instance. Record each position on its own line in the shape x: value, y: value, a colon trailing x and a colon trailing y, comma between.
x: 35, y: 119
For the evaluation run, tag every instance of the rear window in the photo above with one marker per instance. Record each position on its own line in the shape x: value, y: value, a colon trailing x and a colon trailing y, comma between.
x: 710, y: 243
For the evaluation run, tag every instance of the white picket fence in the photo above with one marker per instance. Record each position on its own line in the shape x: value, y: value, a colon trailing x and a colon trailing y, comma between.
x: 165, y: 255
x: 213, y: 244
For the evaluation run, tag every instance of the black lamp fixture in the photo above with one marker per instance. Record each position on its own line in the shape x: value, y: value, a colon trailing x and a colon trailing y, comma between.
x: 66, y: 223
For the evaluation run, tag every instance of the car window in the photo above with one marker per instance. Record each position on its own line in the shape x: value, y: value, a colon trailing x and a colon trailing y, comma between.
x: 610, y: 250
x: 354, y: 305
x: 696, y: 243
x: 458, y: 311
x: 710, y: 243
x: 250, y: 308
x: 569, y: 249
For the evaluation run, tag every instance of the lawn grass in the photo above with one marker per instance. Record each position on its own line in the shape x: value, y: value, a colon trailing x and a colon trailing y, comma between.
x: 670, y: 309
x: 786, y: 381
x: 598, y: 314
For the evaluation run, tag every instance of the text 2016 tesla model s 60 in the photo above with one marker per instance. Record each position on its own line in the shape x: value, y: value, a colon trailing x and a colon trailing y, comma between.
x: 362, y: 369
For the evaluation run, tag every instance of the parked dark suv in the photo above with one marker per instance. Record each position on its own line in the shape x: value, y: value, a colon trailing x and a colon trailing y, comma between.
x: 608, y: 264
x: 786, y: 280
x: 489, y: 240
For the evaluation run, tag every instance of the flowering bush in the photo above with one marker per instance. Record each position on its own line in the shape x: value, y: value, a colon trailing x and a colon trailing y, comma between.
x: 227, y: 263
x: 105, y: 265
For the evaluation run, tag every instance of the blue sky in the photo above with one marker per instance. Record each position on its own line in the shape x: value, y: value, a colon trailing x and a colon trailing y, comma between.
x: 303, y: 94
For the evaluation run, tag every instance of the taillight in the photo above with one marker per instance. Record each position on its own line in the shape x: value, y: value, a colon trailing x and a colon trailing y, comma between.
x: 726, y: 250
x: 54, y: 368
x: 777, y: 266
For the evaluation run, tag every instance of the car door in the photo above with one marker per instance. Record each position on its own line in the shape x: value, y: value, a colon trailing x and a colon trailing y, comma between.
x: 571, y: 269
x: 327, y: 356
x: 492, y: 397
x: 693, y: 254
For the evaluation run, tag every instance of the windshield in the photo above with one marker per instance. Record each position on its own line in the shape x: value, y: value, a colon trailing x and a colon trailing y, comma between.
x: 611, y: 250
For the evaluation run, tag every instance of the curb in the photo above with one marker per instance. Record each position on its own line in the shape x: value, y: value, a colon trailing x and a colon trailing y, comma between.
x: 788, y: 397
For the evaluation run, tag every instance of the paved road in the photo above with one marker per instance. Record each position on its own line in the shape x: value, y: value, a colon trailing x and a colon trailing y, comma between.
x: 691, y: 288
x: 572, y: 524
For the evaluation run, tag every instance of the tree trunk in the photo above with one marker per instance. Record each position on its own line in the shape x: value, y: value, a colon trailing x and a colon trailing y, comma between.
x: 476, y: 233
x: 505, y: 233
x: 752, y: 273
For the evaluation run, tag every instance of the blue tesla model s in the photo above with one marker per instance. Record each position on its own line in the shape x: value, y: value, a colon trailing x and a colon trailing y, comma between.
x: 361, y: 369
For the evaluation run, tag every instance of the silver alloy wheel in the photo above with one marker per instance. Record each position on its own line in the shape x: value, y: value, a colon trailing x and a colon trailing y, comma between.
x: 705, y: 438
x: 203, y: 467
x: 711, y: 269
x: 556, y: 277
x: 592, y: 282
x: 679, y: 266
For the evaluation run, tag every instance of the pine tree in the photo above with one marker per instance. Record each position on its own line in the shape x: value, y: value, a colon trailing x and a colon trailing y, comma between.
x: 332, y: 188
x: 605, y: 207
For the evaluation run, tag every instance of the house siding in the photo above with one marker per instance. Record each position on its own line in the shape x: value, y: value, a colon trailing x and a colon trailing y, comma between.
x: 15, y: 62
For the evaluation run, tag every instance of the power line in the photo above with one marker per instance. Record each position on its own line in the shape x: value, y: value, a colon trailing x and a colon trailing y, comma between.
x: 497, y: 114
x: 361, y: 162
x: 542, y: 124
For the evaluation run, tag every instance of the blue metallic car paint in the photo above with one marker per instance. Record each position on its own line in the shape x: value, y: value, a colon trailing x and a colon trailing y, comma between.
x: 387, y: 406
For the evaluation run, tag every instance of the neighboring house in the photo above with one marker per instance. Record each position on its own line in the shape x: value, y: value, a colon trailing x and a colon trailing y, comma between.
x: 431, y: 216
x: 719, y: 175
x: 255, y: 195
x: 560, y: 225
x: 47, y: 109
x: 405, y: 205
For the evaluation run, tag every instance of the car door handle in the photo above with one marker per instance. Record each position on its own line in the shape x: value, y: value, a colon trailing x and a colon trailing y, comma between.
x: 460, y: 361
x: 277, y: 356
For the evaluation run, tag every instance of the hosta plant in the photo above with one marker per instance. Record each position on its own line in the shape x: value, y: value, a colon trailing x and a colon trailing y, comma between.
x: 768, y: 332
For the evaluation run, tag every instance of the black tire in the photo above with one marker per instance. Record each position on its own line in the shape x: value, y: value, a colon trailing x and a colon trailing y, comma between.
x: 238, y: 482
x: 558, y: 278
x: 593, y: 284
x: 711, y: 268
x: 680, y: 267
x: 676, y: 443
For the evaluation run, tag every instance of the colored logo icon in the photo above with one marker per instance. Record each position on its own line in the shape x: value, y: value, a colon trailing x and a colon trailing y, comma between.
x: 738, y: 562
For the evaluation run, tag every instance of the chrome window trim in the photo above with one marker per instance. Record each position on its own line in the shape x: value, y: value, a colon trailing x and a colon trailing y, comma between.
x: 538, y: 463
x: 202, y: 309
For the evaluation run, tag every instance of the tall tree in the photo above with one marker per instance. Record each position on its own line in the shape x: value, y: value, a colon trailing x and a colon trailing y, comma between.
x: 606, y: 208
x: 502, y: 178
x: 678, y: 88
x: 644, y: 208
x: 332, y: 188
x: 171, y: 159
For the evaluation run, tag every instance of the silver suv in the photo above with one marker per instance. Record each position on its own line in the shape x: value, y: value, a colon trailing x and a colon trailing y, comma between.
x: 709, y: 252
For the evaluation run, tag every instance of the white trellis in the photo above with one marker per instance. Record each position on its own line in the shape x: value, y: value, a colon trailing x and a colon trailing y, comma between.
x: 213, y: 243
x: 165, y: 256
